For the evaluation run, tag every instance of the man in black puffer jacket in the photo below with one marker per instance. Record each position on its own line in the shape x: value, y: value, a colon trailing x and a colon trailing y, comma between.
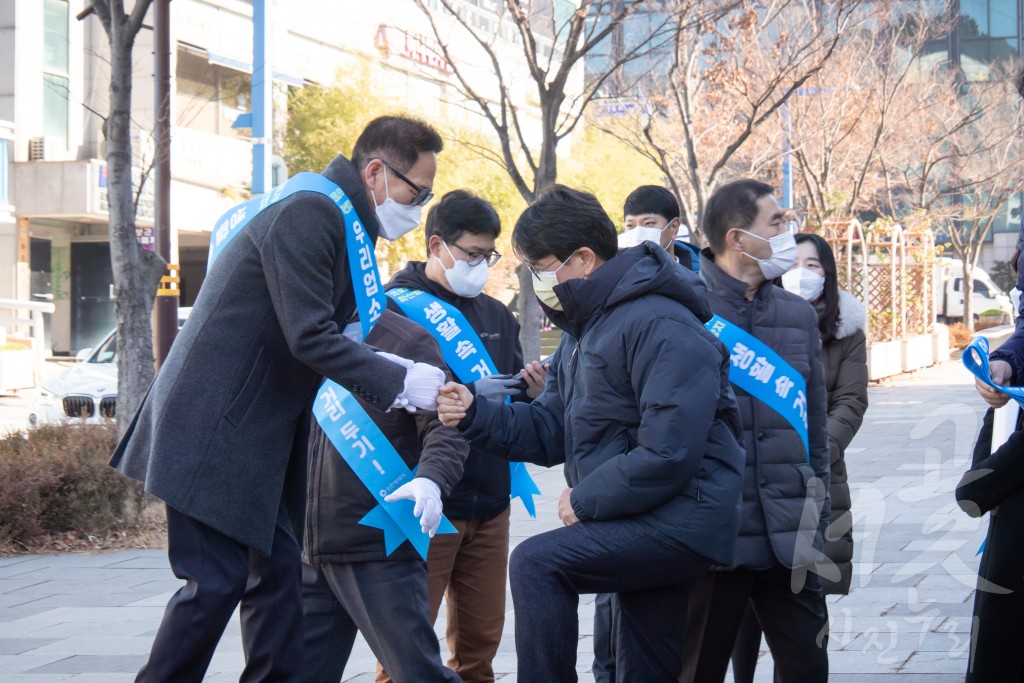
x: 470, y: 567
x: 349, y: 581
x: 639, y: 409
x: 785, y: 485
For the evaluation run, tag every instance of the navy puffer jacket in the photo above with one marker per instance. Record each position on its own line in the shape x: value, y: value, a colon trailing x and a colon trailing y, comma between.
x: 638, y: 406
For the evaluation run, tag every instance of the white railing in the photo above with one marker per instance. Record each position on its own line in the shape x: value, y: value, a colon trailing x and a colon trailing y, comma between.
x: 33, y: 324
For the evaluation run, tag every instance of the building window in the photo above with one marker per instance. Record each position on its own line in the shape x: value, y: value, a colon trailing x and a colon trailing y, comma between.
x: 55, y: 70
x: 209, y: 97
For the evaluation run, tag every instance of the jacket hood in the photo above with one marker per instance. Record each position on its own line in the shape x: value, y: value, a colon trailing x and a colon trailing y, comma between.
x: 633, y: 273
x: 343, y: 173
x: 852, y: 315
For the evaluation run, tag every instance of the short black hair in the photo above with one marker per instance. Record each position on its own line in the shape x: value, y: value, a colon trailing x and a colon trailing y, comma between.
x: 1018, y: 81
x: 733, y: 205
x: 828, y: 319
x: 560, y: 221
x: 651, y: 199
x: 458, y: 212
x: 398, y: 139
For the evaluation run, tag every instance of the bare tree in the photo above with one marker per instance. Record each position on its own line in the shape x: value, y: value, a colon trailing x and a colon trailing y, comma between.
x: 136, y: 270
x: 861, y: 105
x: 732, y: 75
x: 551, y: 50
x: 967, y: 163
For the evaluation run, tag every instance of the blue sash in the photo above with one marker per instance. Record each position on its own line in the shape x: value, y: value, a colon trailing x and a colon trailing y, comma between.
x: 467, y: 357
x: 385, y: 471
x: 763, y: 374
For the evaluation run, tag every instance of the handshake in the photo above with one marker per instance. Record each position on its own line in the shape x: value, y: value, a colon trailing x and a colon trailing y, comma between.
x: 425, y: 389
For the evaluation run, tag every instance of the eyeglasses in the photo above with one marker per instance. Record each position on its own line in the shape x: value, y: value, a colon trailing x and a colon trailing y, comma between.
x: 475, y: 259
x: 423, y: 195
x: 552, y: 273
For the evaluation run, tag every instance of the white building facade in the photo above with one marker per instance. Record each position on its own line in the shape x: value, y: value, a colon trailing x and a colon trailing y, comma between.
x: 53, y: 219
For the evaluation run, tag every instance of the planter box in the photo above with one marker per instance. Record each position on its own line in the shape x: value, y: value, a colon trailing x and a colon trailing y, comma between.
x: 17, y: 370
x: 884, y: 359
x: 916, y: 352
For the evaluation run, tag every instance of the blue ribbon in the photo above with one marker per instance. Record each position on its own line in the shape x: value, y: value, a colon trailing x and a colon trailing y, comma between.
x: 380, y: 468
x: 764, y: 374
x: 975, y: 359
x: 467, y: 358
x: 359, y: 436
x: 361, y: 259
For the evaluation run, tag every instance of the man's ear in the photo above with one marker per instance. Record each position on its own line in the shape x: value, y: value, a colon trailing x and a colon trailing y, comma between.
x: 733, y: 239
x: 371, y: 171
x: 434, y: 246
x: 588, y: 260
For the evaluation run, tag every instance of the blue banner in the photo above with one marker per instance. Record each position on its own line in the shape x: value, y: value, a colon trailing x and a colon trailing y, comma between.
x: 361, y: 259
x: 380, y: 468
x: 358, y: 436
x: 467, y: 358
x: 764, y: 374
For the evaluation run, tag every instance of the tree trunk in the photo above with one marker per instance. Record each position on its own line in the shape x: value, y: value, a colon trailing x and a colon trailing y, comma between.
x: 136, y: 271
x: 529, y: 315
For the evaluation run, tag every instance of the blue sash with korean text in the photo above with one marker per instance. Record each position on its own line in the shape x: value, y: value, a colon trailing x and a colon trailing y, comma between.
x: 358, y: 440
x: 467, y: 357
x: 763, y: 374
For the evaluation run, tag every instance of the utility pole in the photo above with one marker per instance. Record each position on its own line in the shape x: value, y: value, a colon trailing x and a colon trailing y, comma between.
x: 167, y: 295
x: 260, y: 89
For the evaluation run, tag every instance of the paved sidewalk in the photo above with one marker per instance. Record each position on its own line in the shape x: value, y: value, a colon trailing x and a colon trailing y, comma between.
x: 93, y: 617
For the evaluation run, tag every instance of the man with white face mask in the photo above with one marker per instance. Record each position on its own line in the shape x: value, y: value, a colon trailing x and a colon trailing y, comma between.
x: 652, y: 214
x: 778, y: 377
x: 288, y: 272
x: 461, y: 232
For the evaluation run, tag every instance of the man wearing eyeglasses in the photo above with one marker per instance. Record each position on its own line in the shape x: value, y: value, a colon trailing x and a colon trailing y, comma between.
x: 461, y: 231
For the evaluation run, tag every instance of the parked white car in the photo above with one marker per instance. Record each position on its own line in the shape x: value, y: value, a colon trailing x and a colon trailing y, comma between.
x: 86, y: 392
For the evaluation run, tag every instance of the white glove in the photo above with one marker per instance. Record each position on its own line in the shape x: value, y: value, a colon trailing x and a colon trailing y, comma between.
x: 422, y: 384
x: 428, y: 501
x: 404, y: 362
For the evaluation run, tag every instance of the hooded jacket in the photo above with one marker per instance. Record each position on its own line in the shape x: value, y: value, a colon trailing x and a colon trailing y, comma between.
x: 785, y: 497
x: 637, y: 406
x: 846, y: 382
x: 337, y: 499
x: 483, y: 491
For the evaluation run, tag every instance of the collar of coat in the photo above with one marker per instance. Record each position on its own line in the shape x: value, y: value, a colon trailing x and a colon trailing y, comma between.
x: 725, y: 285
x: 343, y: 173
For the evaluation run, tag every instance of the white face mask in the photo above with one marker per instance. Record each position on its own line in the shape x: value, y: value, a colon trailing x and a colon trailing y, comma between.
x: 544, y: 285
x: 395, y: 219
x: 804, y: 283
x: 637, y: 236
x: 464, y: 279
x: 783, y: 254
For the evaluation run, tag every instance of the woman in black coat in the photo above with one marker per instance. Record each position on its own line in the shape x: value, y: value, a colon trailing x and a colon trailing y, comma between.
x: 995, y: 483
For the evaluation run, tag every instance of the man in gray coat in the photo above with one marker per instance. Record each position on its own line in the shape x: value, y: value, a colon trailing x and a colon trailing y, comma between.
x: 785, y: 484
x: 221, y: 436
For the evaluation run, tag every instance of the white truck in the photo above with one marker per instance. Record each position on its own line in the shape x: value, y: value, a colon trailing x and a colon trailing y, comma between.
x: 949, y: 293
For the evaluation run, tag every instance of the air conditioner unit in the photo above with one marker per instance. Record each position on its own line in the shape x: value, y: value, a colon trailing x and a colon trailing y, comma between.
x: 42, y: 148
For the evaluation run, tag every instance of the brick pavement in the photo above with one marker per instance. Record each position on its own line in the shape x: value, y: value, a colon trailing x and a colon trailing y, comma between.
x: 91, y: 618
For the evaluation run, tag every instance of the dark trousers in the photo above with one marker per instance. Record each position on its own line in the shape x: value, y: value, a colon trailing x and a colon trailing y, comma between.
x: 795, y: 624
x: 651, y: 574
x: 387, y: 602
x: 604, y: 635
x: 747, y: 648
x: 219, y: 573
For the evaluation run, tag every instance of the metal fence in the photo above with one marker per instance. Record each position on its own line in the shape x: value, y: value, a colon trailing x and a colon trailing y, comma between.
x: 890, y: 269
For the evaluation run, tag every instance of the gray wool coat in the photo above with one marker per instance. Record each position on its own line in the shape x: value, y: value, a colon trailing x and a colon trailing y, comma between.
x: 785, y: 497
x: 222, y: 434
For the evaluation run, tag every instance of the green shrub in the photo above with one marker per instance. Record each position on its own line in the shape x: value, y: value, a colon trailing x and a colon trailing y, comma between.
x: 55, y: 478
